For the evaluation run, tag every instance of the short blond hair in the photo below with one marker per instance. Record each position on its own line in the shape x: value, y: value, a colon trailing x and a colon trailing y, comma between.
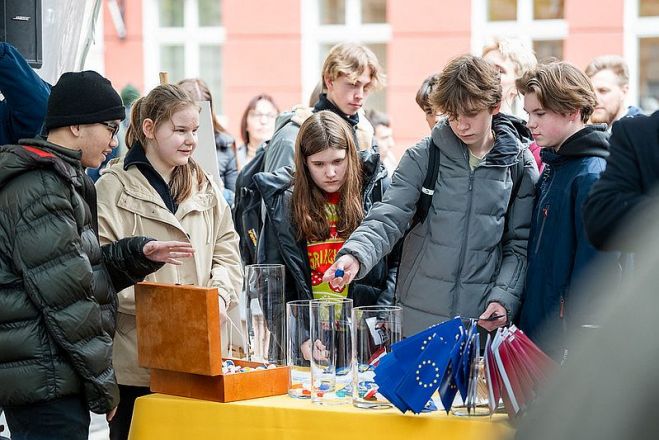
x: 514, y: 49
x: 468, y: 84
x: 561, y: 88
x: 351, y: 60
x: 614, y: 63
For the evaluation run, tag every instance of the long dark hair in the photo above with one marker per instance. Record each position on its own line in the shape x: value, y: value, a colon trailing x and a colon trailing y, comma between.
x: 323, y: 130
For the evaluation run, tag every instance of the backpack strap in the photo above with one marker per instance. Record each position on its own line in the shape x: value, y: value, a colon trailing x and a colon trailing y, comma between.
x: 517, y: 176
x: 428, y: 188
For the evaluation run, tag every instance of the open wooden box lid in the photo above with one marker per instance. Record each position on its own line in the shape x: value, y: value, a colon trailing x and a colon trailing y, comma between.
x: 178, y: 328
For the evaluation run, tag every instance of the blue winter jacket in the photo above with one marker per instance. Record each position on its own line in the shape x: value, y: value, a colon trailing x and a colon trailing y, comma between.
x: 559, y: 251
x: 25, y: 97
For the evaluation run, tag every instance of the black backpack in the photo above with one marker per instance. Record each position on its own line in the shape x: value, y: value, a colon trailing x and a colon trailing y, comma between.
x: 247, y: 216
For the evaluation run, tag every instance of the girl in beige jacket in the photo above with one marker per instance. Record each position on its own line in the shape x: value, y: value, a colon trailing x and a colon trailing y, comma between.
x: 158, y: 190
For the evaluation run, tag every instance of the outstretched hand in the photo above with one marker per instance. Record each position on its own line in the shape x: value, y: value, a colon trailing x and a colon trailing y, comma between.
x: 342, y: 272
x: 167, y: 251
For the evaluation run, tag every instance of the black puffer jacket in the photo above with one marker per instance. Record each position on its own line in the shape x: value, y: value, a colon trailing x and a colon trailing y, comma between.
x: 57, y: 285
x: 278, y: 243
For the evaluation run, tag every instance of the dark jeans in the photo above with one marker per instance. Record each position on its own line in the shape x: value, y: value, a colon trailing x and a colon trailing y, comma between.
x: 64, y: 418
x: 120, y: 423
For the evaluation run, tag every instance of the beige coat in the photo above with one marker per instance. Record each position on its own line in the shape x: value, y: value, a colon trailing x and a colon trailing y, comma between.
x: 128, y: 205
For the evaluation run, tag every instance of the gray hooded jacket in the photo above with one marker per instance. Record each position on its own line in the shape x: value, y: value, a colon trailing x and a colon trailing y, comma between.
x: 471, y: 249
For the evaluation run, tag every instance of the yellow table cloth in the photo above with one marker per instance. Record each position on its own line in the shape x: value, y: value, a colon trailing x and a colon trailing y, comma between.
x: 162, y: 417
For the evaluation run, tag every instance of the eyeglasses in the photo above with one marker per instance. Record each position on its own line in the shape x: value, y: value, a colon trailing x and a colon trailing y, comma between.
x: 256, y: 115
x: 114, y: 128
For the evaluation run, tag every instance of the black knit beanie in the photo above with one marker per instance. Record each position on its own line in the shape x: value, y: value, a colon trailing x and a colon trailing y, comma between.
x: 83, y: 98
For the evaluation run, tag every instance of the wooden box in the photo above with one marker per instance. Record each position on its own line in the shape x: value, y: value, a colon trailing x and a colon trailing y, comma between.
x: 178, y: 338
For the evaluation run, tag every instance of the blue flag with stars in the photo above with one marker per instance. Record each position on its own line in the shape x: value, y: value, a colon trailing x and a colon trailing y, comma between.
x: 388, y: 375
x: 407, y: 350
x: 421, y: 381
x: 427, y: 352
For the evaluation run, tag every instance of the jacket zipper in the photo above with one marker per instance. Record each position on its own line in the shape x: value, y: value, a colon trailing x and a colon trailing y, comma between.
x: 545, y: 210
x: 545, y: 214
x: 463, y: 251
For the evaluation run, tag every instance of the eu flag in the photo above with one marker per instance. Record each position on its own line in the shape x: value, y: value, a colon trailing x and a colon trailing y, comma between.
x: 421, y: 381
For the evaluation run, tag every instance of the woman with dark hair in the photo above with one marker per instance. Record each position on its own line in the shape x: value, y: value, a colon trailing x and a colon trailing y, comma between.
x: 256, y: 126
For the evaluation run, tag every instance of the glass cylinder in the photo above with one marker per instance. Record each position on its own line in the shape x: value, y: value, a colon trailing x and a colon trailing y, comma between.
x: 330, y: 351
x: 376, y: 328
x: 265, y: 311
x: 477, y: 402
x: 297, y: 333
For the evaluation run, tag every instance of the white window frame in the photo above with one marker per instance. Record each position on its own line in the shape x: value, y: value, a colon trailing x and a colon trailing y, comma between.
x: 635, y: 28
x: 191, y: 36
x: 314, y: 34
x: 525, y: 27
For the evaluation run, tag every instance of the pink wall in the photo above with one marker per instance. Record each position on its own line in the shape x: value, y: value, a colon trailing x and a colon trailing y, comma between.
x: 261, y: 54
x: 595, y: 28
x: 124, y: 59
x: 426, y: 34
x: 263, y: 45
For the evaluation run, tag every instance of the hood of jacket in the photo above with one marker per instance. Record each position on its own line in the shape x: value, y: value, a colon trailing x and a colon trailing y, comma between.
x: 511, y: 137
x: 34, y: 154
x: 590, y: 141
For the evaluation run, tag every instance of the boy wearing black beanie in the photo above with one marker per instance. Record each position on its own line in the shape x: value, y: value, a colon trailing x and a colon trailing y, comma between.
x: 57, y: 285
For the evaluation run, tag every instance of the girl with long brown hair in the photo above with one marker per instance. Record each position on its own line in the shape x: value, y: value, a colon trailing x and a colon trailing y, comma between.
x: 310, y: 212
x: 158, y: 190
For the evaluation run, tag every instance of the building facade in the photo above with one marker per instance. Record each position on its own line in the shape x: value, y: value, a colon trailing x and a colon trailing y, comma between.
x: 245, y: 47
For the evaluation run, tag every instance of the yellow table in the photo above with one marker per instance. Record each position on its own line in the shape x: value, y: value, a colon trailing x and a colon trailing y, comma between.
x: 163, y: 417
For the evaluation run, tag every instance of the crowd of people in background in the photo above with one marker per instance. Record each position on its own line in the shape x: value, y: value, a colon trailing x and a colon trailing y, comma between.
x: 518, y: 193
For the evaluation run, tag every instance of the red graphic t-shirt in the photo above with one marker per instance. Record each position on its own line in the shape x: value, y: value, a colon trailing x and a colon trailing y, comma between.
x: 321, y: 254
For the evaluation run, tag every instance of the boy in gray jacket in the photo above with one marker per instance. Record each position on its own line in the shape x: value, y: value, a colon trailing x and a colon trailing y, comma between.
x: 468, y: 257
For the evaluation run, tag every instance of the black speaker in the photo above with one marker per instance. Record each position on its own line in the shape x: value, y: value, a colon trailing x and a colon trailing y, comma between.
x: 20, y: 25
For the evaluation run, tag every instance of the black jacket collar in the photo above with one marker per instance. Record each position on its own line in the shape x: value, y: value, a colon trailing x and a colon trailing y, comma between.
x: 590, y: 141
x: 137, y: 157
x: 325, y: 104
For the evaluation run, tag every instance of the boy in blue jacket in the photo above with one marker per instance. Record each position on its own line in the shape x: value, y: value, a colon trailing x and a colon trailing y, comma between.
x: 559, y: 99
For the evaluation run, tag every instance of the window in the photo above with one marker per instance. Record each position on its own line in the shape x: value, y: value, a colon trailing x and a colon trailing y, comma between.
x: 502, y: 10
x: 648, y: 8
x: 328, y: 22
x: 648, y: 73
x: 332, y: 11
x: 210, y: 69
x: 374, y: 11
x: 172, y: 60
x: 540, y: 23
x: 547, y: 9
x: 171, y: 13
x: 210, y: 13
x: 546, y: 50
x: 641, y: 52
x: 184, y: 38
